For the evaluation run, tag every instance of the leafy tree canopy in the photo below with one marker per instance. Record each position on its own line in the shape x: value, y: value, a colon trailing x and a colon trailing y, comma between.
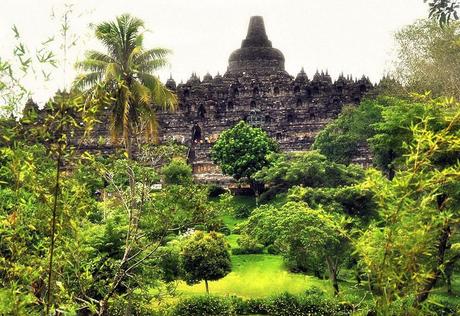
x: 242, y: 150
x: 341, y: 139
x: 310, y: 169
x: 206, y: 257
x: 427, y: 58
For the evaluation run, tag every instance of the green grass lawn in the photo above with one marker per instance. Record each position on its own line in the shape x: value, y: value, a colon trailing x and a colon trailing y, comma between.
x: 257, y: 276
x: 254, y: 275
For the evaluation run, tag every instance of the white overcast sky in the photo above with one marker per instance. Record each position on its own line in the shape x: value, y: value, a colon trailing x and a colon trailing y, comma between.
x: 350, y: 36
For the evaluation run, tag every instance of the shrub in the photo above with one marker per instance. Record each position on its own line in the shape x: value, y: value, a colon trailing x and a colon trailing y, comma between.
x: 137, y: 305
x: 312, y: 303
x: 247, y: 246
x: 273, y: 250
x: 241, y: 307
x: 200, y: 227
x: 242, y: 211
x: 257, y: 306
x: 177, y: 172
x: 225, y: 230
x: 239, y: 227
x: 205, y: 306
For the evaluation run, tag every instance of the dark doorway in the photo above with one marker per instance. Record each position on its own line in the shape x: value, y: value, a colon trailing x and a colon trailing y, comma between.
x: 196, y: 133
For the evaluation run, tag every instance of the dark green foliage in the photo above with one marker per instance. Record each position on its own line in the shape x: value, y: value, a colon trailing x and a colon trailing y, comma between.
x: 207, y: 305
x: 285, y: 304
x: 351, y: 200
x: 340, y: 140
x: 242, y: 150
x: 258, y: 306
x: 273, y: 250
x: 182, y: 207
x: 311, y: 304
x: 215, y: 190
x: 261, y: 225
x: 169, y: 262
x: 135, y: 305
x: 242, y: 211
x: 177, y: 172
x: 309, y: 169
x: 205, y: 257
x: 385, y: 124
x: 444, y: 11
x: 393, y: 131
x: 225, y: 230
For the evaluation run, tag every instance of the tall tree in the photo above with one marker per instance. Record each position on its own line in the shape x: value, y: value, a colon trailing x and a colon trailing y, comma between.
x: 428, y: 58
x: 126, y: 74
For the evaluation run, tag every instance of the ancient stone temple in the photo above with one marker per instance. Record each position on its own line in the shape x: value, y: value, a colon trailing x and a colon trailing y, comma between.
x: 255, y: 88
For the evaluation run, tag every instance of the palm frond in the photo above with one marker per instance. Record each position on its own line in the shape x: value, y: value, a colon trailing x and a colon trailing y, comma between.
x: 161, y: 96
x: 87, y: 81
x: 149, y: 124
x: 152, y: 54
x: 141, y: 93
x: 112, y: 71
x: 92, y: 54
x: 91, y: 65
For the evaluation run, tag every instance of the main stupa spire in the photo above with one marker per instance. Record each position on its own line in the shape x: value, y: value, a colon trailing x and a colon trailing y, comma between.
x: 256, y: 54
x: 257, y: 37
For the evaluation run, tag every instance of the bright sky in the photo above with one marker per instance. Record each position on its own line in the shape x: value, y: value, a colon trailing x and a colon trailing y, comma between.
x: 352, y: 36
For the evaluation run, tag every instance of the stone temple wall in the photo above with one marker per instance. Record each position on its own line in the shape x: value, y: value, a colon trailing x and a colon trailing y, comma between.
x: 255, y: 88
x: 258, y: 90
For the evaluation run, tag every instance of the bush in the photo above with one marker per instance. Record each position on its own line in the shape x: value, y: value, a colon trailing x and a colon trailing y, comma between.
x: 312, y: 302
x: 443, y: 307
x: 257, y: 306
x: 237, y: 229
x: 273, y: 250
x: 137, y: 305
x: 205, y: 306
x: 177, y: 172
x: 225, y: 230
x: 242, y: 211
x: 240, y: 306
x: 247, y: 246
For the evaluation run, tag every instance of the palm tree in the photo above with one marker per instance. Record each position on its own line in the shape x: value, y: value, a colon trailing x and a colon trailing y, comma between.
x: 125, y: 74
x: 125, y: 77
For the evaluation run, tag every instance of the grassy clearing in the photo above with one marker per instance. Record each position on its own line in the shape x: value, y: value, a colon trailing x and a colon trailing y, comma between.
x: 257, y: 276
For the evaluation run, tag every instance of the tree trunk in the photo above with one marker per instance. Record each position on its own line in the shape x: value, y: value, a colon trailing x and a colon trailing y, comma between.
x: 333, y: 274
x: 53, y: 233
x: 207, y: 286
x: 449, y: 283
x: 257, y: 187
